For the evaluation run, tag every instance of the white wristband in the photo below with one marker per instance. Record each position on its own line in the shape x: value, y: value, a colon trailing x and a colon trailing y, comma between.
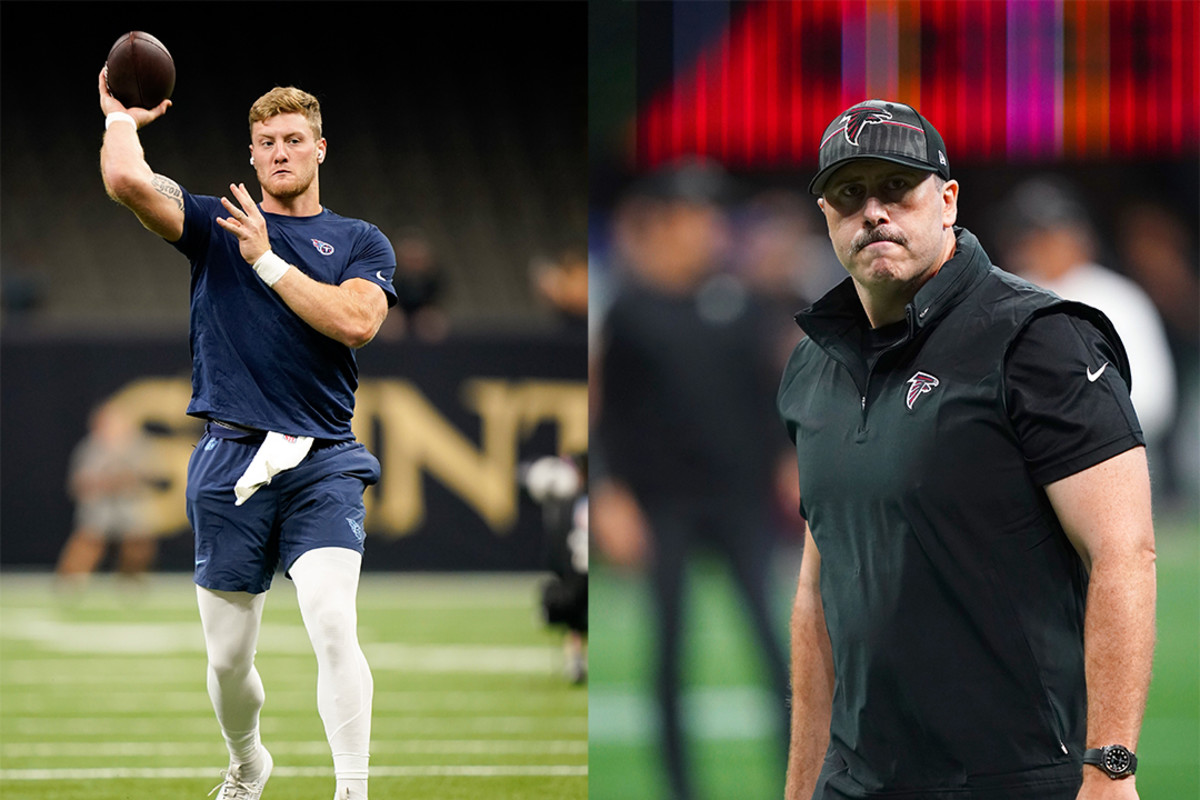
x: 270, y: 267
x: 119, y: 116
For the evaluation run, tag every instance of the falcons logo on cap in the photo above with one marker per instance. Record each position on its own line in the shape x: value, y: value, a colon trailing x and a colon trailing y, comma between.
x: 860, y: 116
x: 918, y: 385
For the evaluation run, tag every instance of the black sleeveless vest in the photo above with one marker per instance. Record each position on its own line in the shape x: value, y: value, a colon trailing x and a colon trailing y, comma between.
x: 954, y: 600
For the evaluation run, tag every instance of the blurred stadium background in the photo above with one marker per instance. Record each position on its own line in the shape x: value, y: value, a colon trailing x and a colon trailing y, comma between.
x: 1100, y: 97
x: 458, y: 129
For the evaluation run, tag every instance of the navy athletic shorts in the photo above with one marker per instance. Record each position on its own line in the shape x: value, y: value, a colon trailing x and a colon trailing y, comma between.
x: 317, y: 503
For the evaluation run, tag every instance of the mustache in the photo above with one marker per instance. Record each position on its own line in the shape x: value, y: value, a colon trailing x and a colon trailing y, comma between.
x: 877, y: 235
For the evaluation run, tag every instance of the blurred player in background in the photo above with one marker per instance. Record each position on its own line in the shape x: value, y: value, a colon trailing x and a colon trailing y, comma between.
x: 560, y: 280
x: 559, y: 485
x: 1154, y: 242
x: 282, y: 295
x: 420, y: 283
x: 684, y: 424
x: 975, y: 610
x: 110, y: 475
x: 1047, y: 237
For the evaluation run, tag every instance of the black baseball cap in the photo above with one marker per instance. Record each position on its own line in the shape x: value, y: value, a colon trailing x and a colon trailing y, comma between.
x: 690, y: 179
x: 880, y: 129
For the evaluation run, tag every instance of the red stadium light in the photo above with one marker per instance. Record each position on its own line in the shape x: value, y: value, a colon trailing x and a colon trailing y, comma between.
x: 1003, y: 80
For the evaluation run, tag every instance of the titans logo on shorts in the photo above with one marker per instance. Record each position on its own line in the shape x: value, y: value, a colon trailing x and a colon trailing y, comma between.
x: 316, y: 504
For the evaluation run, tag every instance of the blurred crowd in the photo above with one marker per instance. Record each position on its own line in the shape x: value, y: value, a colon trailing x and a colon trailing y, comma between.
x: 558, y: 283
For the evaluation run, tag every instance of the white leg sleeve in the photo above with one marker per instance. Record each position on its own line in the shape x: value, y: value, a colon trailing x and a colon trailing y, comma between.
x: 326, y: 586
x: 231, y: 622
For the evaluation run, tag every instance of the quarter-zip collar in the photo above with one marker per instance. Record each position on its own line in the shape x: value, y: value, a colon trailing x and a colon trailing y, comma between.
x: 953, y: 281
x: 835, y: 322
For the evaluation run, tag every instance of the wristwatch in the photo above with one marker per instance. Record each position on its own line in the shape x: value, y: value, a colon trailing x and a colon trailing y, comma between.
x: 1115, y: 759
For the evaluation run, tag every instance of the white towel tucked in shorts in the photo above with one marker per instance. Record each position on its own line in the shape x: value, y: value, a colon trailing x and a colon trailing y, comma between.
x: 277, y: 453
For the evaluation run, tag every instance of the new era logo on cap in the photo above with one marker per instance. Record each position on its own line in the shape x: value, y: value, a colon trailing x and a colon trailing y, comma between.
x: 884, y: 130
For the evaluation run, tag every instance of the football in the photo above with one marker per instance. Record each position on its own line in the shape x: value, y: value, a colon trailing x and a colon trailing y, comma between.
x: 141, y: 72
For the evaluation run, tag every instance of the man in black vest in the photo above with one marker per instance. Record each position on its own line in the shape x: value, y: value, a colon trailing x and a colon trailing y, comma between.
x: 975, y: 611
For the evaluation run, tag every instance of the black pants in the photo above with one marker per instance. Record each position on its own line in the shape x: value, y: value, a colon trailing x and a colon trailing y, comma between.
x: 737, y: 531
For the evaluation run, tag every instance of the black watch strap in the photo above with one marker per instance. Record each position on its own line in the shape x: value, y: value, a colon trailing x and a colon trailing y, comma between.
x: 1116, y: 760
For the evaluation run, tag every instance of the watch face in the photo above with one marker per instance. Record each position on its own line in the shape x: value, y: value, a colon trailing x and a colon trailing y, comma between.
x: 1116, y: 759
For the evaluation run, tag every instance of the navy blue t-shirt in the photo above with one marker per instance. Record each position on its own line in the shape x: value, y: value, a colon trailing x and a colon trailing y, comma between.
x: 255, y: 362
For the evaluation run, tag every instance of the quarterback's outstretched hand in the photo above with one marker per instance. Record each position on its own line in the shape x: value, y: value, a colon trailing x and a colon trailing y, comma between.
x: 246, y: 223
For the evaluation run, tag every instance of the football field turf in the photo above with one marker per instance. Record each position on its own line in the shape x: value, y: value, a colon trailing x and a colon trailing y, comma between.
x: 103, y: 696
x: 727, y: 712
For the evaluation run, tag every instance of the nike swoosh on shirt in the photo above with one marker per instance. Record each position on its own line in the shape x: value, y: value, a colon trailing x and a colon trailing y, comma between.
x: 379, y: 274
x: 1092, y: 376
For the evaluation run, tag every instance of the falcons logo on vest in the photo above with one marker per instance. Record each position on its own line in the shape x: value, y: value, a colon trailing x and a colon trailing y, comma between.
x: 861, y: 116
x: 918, y: 385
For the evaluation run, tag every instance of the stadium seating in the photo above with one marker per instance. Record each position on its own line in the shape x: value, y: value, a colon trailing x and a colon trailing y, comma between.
x: 489, y: 194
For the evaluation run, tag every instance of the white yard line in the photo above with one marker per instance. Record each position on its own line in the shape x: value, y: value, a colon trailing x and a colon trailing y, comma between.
x: 203, y: 724
x: 187, y: 773
x: 155, y: 701
x: 116, y: 639
x: 391, y: 591
x: 624, y: 714
x: 55, y: 750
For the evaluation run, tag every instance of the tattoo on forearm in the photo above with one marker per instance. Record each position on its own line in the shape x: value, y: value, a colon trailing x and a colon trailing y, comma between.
x: 165, y: 186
